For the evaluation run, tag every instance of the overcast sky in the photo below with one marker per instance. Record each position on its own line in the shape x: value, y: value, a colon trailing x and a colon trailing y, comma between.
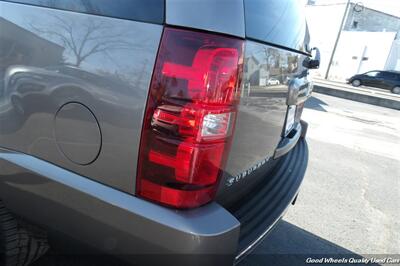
x: 388, y: 6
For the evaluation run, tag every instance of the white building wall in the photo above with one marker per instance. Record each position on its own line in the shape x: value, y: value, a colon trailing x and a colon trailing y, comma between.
x: 359, y: 52
x: 393, y: 62
x: 379, y: 47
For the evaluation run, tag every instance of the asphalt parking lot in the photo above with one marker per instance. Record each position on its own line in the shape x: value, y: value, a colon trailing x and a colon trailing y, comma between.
x: 350, y: 199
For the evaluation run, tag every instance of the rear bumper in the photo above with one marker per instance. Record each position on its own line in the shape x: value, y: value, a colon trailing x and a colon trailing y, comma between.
x: 113, y: 221
x: 123, y: 225
x: 268, y: 202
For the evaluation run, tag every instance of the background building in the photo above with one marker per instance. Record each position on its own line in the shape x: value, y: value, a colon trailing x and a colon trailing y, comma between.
x: 370, y: 39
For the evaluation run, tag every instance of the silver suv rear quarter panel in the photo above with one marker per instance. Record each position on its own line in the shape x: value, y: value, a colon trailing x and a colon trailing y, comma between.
x: 113, y: 221
x: 110, y: 75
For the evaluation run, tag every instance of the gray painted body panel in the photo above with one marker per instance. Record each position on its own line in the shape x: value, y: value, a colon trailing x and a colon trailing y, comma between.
x: 53, y: 57
x: 80, y: 146
x: 262, y: 113
x: 224, y: 16
x: 107, y: 219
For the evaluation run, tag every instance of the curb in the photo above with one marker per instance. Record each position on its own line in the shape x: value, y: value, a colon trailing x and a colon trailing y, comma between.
x: 358, y: 97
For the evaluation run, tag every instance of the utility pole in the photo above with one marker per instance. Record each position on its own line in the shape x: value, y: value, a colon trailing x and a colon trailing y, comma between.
x: 337, y: 38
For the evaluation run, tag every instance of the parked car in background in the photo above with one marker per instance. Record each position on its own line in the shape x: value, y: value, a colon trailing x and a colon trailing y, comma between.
x: 389, y: 80
x: 272, y: 81
x: 132, y: 127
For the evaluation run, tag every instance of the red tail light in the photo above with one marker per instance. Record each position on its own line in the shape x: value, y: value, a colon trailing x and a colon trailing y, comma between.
x: 190, y: 116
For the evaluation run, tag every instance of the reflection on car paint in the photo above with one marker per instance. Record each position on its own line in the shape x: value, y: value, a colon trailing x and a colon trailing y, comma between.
x: 51, y: 57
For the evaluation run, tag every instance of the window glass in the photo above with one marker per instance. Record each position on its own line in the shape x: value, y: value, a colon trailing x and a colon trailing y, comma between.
x: 372, y: 74
x: 149, y: 10
x: 389, y: 75
x: 279, y: 22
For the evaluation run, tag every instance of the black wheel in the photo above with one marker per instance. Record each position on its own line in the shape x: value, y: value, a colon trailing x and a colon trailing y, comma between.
x: 20, y: 243
x: 356, y: 83
x: 396, y: 90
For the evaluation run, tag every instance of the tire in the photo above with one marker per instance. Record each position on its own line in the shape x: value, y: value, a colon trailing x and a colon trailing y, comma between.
x: 20, y: 243
x: 356, y: 83
x: 396, y: 90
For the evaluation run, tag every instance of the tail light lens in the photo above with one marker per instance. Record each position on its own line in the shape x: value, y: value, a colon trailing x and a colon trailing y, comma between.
x: 189, y: 119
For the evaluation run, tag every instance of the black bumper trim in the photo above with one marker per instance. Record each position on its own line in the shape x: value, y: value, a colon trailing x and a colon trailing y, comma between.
x: 266, y: 204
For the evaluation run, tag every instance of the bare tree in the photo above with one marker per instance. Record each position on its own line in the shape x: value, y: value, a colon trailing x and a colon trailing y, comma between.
x: 83, y: 40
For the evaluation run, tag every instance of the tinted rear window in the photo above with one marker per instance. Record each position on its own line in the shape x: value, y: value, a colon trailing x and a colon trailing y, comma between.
x: 279, y: 22
x: 148, y: 10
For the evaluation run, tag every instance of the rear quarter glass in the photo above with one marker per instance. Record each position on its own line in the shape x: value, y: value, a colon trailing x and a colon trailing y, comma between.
x: 277, y: 22
x: 139, y: 10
